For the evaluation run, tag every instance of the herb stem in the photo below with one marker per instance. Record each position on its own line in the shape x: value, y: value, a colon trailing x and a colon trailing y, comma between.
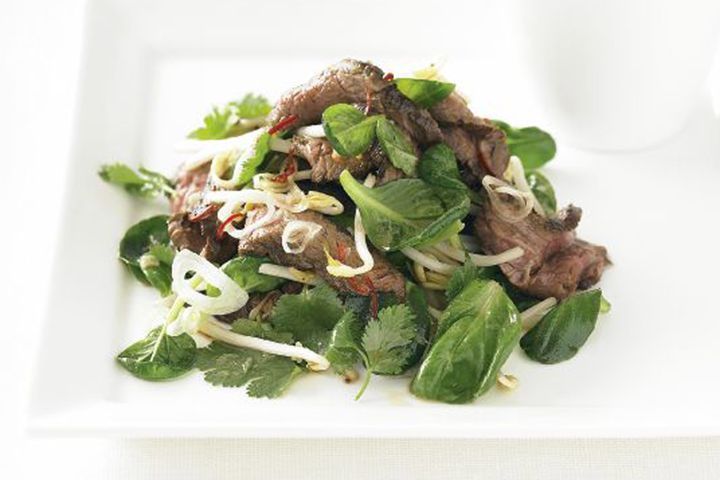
x: 368, y: 374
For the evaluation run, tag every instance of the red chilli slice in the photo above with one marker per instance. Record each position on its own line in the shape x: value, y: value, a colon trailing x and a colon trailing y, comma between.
x: 290, y: 169
x: 283, y: 124
x: 220, y: 232
x: 389, y: 77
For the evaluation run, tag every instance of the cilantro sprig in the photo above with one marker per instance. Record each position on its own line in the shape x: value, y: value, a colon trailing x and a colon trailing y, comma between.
x: 233, y: 119
x: 144, y: 183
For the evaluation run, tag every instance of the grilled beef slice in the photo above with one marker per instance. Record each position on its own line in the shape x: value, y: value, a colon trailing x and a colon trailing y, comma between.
x: 554, y: 264
x: 197, y: 235
x: 267, y: 241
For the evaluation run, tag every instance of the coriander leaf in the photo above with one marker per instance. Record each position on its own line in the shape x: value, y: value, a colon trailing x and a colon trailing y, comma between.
x: 227, y: 121
x: 477, y: 332
x: 543, y: 190
x: 564, y: 330
x: 407, y: 212
x: 144, y: 183
x: 387, y: 342
x: 244, y: 272
x: 349, y: 131
x: 253, y: 158
x: 344, y: 351
x: 159, y: 356
x: 145, y: 249
x: 534, y: 147
x: 264, y: 374
x: 424, y: 93
x: 397, y: 146
x: 254, y: 328
x: 309, y: 315
x: 438, y: 166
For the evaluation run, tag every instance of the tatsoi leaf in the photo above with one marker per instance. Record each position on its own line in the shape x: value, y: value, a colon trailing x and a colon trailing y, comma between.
x: 406, y: 212
x: 464, y: 276
x: 145, y: 249
x: 533, y: 146
x: 424, y: 93
x: 543, y: 190
x: 143, y: 183
x: 309, y: 316
x: 264, y: 374
x: 438, y: 166
x: 343, y: 350
x: 564, y: 330
x: 254, y: 159
x: 397, y: 146
x: 349, y: 131
x: 226, y: 121
x: 173, y: 356
x: 244, y: 272
x: 477, y: 332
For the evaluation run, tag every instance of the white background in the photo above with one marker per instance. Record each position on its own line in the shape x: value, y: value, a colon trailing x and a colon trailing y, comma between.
x: 39, y: 57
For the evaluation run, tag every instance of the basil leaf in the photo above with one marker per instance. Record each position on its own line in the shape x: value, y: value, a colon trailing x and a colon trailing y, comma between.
x: 349, y: 131
x: 561, y: 333
x: 543, y: 190
x: 244, y: 272
x: 424, y: 93
x: 476, y: 334
x: 173, y: 356
x: 534, y: 147
x: 438, y: 166
x: 397, y: 146
x: 225, y: 122
x: 406, y: 212
x: 146, y: 250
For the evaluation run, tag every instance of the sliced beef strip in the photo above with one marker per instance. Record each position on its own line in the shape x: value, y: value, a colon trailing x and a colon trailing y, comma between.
x: 416, y: 121
x: 554, y: 264
x: 327, y: 165
x: 267, y: 241
x: 196, y: 235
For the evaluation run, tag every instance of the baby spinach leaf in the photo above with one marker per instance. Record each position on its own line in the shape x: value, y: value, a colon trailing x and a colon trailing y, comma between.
x: 264, y: 374
x: 309, y: 315
x: 144, y: 183
x: 406, y: 212
x: 463, y: 276
x: 145, y: 249
x: 543, y: 190
x: 476, y: 334
x: 225, y: 122
x: 159, y: 356
x: 438, y: 166
x: 244, y: 271
x: 397, y: 146
x: 564, y: 330
x: 534, y: 147
x: 424, y: 93
x: 349, y: 131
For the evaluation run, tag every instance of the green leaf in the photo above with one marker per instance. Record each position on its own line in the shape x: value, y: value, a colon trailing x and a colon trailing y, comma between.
x: 605, y: 305
x: 159, y: 356
x: 564, y: 330
x: 264, y: 374
x: 253, y: 159
x: 349, y: 131
x: 225, y: 122
x: 144, y: 183
x: 406, y: 212
x: 344, y: 350
x: 387, y: 340
x: 309, y: 315
x: 438, y: 166
x: 424, y: 93
x: 543, y: 190
x: 254, y: 328
x: 397, y: 146
x: 476, y: 334
x: 534, y: 147
x: 464, y: 276
x: 145, y: 249
x: 245, y: 272
x: 416, y: 300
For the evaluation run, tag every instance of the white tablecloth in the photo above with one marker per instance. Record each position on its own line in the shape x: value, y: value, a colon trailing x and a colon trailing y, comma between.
x: 39, y: 58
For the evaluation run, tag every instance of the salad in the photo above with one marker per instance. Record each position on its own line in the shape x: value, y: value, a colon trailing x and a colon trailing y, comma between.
x: 362, y: 225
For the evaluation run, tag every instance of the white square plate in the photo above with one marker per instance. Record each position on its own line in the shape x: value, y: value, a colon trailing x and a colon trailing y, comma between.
x: 151, y: 71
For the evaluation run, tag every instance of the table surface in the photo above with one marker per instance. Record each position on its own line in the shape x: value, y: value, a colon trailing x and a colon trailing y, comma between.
x: 39, y: 58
